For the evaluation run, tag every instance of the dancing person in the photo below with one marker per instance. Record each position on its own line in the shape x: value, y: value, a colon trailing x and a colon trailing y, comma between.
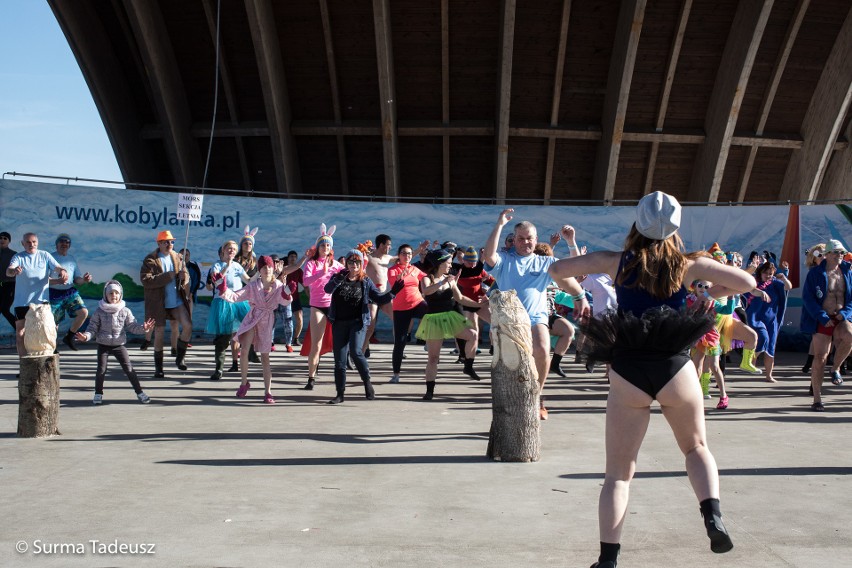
x: 529, y: 275
x: 813, y: 257
x: 471, y: 277
x: 224, y: 317
x: 646, y: 340
x: 7, y: 283
x: 263, y: 294
x: 317, y: 272
x: 442, y: 320
x: 166, y: 289
x: 64, y: 298
x: 408, y: 303
x: 559, y: 326
x: 296, y: 305
x: 32, y: 268
x: 827, y: 314
x: 765, y: 311
x: 109, y: 326
x: 352, y: 293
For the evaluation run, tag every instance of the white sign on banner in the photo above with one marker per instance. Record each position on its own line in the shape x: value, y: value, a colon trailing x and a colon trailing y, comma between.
x: 189, y: 206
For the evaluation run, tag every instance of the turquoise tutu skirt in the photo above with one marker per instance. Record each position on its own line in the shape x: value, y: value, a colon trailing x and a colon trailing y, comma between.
x: 443, y: 325
x: 225, y: 317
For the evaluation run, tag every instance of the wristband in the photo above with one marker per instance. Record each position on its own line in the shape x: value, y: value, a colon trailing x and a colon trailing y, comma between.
x: 572, y: 247
x: 578, y: 297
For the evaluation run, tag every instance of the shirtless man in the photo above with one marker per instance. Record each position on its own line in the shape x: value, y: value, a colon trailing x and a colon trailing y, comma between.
x: 378, y: 262
x: 827, y: 313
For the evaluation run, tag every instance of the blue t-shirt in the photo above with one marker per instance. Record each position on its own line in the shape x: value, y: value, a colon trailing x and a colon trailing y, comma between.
x: 233, y: 273
x: 172, y: 300
x: 69, y: 263
x: 526, y: 275
x: 31, y: 284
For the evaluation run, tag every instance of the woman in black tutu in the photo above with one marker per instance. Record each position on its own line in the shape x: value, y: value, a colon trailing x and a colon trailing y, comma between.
x: 646, y: 341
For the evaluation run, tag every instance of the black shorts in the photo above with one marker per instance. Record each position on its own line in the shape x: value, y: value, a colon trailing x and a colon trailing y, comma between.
x: 21, y: 312
x: 323, y: 310
x: 296, y: 304
x: 649, y: 372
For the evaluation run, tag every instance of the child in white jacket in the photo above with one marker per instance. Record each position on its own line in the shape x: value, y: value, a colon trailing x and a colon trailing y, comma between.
x: 108, y: 326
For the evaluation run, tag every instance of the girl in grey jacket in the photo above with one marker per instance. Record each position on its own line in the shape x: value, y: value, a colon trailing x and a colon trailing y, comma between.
x: 108, y: 326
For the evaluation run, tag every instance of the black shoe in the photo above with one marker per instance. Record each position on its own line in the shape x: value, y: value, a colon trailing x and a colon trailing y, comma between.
x: 174, y: 352
x: 590, y: 366
x: 217, y: 374
x: 430, y: 390
x: 235, y: 366
x: 811, y: 389
x: 253, y: 357
x: 720, y: 541
x: 367, y: 353
x: 295, y: 342
x: 369, y: 391
x: 336, y: 400
x: 556, y: 369
x: 407, y: 338
x: 144, y: 346
x: 310, y: 385
x: 69, y: 341
x: 468, y: 370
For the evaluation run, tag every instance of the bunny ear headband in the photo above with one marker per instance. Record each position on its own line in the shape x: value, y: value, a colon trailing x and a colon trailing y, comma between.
x: 325, y: 235
x: 248, y: 235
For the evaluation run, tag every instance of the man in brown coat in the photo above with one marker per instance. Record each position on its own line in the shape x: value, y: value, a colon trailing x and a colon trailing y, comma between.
x: 166, y: 283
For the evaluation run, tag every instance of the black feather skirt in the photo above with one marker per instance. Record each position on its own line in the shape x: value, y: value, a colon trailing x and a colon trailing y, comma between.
x: 660, y: 333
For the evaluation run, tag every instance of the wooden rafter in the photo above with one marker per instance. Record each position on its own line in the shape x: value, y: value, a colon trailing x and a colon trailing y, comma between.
x: 838, y: 176
x: 504, y: 99
x: 335, y: 95
x: 728, y: 90
x: 671, y: 67
x: 557, y: 93
x: 771, y: 90
x: 629, y: 27
x: 445, y: 95
x: 823, y: 121
x: 228, y: 89
x: 168, y: 92
x: 264, y: 35
x: 387, y: 96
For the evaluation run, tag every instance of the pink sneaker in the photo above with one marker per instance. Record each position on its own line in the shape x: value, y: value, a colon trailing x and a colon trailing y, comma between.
x: 241, y: 392
x: 289, y: 349
x: 272, y: 348
x: 267, y: 398
x: 723, y: 403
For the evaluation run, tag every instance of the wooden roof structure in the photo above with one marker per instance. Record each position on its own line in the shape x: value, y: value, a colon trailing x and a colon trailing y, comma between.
x: 548, y: 101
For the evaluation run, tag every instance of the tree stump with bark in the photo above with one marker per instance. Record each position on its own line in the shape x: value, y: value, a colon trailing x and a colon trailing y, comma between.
x: 515, y: 422
x: 38, y: 397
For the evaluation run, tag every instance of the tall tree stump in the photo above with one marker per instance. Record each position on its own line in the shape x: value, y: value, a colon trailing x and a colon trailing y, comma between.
x: 38, y: 397
x: 515, y: 422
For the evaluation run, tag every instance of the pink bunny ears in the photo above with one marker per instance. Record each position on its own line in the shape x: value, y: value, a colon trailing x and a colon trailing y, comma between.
x: 248, y: 235
x: 325, y: 236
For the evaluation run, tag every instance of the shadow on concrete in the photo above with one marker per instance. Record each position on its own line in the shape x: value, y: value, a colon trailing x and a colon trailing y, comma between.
x: 784, y: 471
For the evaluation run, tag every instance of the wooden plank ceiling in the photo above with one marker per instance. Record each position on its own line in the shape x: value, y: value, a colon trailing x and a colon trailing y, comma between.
x: 553, y: 101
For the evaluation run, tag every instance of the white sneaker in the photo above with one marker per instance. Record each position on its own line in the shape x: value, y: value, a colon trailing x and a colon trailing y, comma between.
x: 394, y: 379
x: 143, y: 398
x: 98, y: 399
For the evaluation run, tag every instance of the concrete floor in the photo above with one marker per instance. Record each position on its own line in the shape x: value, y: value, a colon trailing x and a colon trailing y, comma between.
x: 212, y: 480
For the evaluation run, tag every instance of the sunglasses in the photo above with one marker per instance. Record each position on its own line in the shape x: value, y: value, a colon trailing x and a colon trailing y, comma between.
x: 703, y: 286
x: 353, y: 261
x: 817, y: 253
x: 168, y: 242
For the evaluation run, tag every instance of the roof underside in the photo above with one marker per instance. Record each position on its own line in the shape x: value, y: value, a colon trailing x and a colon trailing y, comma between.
x: 552, y: 100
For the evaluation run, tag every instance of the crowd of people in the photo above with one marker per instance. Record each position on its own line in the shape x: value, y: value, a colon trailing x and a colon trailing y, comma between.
x: 663, y: 321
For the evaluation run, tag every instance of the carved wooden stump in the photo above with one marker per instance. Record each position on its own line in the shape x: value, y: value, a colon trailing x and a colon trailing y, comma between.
x: 515, y: 422
x: 38, y: 397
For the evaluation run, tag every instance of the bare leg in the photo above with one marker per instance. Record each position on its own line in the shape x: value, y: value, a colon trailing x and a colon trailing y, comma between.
x: 297, y: 323
x: 628, y: 411
x: 318, y: 320
x: 565, y: 332
x: 371, y: 328
x: 433, y: 347
x: 19, y: 337
x: 541, y: 352
x: 81, y: 316
x: 267, y: 373
x: 742, y: 332
x: 245, y: 340
x: 842, y: 344
x: 768, y: 365
x: 821, y: 345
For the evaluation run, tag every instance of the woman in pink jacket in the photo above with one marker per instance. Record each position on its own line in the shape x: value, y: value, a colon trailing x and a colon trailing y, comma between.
x: 317, y: 272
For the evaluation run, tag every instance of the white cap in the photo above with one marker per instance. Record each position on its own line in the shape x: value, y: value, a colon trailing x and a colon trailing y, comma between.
x: 658, y: 216
x: 835, y: 246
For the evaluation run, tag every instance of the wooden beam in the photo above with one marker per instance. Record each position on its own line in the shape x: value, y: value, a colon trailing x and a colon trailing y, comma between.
x: 504, y: 99
x: 387, y: 96
x: 557, y: 94
x: 838, y: 176
x: 728, y: 90
x: 445, y: 95
x: 264, y: 35
x: 823, y: 121
x: 662, y: 108
x: 771, y: 90
x: 167, y: 89
x: 335, y: 95
x: 227, y: 88
x: 628, y: 29
x: 95, y: 55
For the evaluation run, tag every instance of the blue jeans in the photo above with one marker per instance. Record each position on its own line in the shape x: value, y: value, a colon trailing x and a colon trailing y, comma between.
x: 285, y: 314
x: 348, y: 335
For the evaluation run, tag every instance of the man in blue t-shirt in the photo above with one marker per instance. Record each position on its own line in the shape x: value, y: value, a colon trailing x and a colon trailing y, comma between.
x: 64, y: 298
x: 528, y: 274
x: 31, y: 269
